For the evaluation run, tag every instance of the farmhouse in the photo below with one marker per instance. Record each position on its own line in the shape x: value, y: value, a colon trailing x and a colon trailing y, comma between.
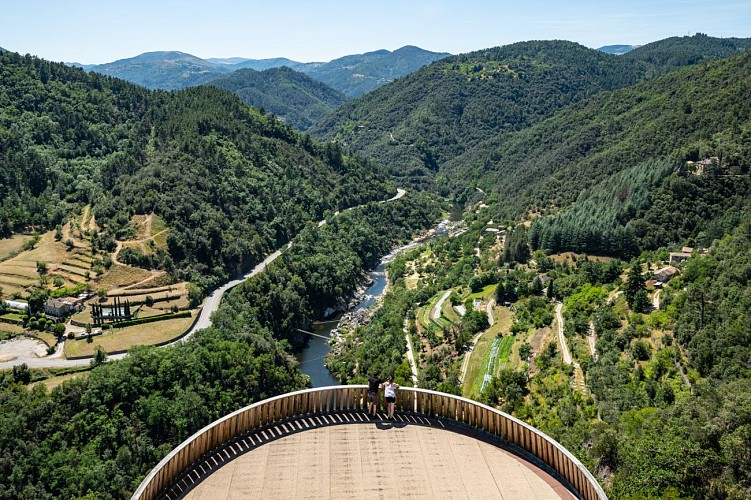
x: 665, y: 273
x: 58, y: 308
x: 678, y: 257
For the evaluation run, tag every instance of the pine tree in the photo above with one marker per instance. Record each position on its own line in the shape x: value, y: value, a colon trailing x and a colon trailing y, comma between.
x: 636, y: 291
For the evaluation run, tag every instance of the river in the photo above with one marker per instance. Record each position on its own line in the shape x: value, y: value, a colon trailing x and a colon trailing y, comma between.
x: 312, y: 355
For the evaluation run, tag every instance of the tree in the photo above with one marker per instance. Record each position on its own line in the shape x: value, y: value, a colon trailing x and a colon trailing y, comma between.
x: 37, y: 297
x: 635, y: 290
x: 21, y: 373
x: 41, y: 267
x: 525, y: 350
x: 100, y: 356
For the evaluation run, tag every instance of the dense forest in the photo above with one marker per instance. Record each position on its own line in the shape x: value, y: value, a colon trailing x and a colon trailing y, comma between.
x: 296, y: 98
x: 98, y: 435
x: 231, y: 183
x: 419, y: 123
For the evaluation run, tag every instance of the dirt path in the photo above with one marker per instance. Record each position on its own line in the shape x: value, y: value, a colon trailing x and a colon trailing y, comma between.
x: 561, y: 337
x: 656, y: 300
x: 489, y: 310
x: 614, y: 296
x: 592, y: 340
x: 470, y: 351
x: 410, y: 352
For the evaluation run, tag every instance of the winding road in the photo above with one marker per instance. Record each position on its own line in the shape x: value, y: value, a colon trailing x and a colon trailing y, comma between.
x: 209, y: 306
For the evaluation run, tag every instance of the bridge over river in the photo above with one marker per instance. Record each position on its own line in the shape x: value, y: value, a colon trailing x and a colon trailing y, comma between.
x: 321, y: 443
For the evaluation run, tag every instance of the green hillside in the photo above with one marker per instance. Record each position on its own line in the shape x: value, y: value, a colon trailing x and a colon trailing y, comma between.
x: 676, y: 52
x: 693, y: 114
x: 231, y: 183
x: 296, y: 98
x: 419, y: 122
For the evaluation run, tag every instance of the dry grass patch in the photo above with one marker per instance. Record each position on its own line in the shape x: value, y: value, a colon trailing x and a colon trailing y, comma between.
x: 9, y: 290
x: 14, y: 279
x: 121, y: 276
x: 160, y: 239
x: 12, y: 245
x: 120, y: 339
x: 159, y: 280
x: 52, y: 382
x: 559, y: 258
x: 11, y: 329
x: 46, y: 337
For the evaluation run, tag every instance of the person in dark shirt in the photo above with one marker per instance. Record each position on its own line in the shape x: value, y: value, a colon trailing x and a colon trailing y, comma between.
x: 374, y: 384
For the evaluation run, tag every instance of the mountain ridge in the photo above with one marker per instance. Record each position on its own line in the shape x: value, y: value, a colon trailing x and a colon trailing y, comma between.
x: 291, y: 95
x: 352, y: 74
x: 424, y: 120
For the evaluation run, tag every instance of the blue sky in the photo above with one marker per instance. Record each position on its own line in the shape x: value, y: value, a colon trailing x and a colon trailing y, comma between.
x: 89, y: 31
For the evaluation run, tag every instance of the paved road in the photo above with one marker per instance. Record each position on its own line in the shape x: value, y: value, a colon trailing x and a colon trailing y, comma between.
x: 209, y: 306
x: 439, y: 305
x: 562, y: 338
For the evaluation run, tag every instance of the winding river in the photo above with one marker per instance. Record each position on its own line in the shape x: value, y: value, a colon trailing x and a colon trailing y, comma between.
x: 312, y: 355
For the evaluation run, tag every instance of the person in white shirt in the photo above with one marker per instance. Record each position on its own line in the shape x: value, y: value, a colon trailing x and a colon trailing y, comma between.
x: 389, y: 389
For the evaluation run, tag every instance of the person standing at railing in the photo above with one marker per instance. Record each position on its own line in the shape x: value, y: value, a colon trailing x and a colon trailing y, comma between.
x: 389, y: 390
x: 374, y: 383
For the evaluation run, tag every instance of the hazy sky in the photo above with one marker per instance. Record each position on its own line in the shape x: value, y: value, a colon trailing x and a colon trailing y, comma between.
x: 90, y: 31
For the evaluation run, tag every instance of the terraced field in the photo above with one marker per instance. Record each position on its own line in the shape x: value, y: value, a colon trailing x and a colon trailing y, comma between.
x: 13, y: 245
x: 123, y: 338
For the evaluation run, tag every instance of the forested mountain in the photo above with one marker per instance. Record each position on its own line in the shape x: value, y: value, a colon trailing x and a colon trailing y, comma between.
x: 419, y: 123
x: 352, y: 75
x: 162, y: 70
x: 693, y: 114
x: 676, y: 52
x: 361, y: 73
x: 293, y: 96
x: 617, y: 49
x: 274, y: 62
x: 231, y: 184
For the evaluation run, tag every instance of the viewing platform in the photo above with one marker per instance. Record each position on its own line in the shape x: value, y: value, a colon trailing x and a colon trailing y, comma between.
x: 321, y: 443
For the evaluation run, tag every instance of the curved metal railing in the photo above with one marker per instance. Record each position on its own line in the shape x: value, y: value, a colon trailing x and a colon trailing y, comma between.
x: 328, y: 400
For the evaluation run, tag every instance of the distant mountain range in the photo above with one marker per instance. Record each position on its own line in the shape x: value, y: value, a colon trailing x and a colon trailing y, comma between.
x: 352, y: 75
x: 293, y: 96
x: 618, y: 49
